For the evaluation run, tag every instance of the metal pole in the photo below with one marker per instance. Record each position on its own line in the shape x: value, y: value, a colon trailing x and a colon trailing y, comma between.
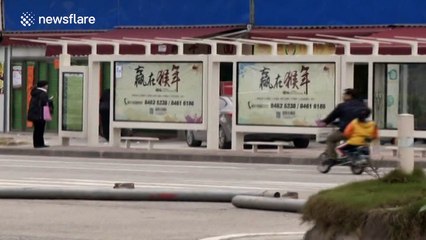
x: 268, y: 203
x: 405, y: 142
x: 7, y: 89
x: 404, y: 80
x: 126, y: 194
x: 252, y: 13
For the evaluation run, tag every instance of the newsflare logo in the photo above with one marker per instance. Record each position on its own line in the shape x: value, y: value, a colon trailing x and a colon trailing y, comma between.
x: 29, y: 19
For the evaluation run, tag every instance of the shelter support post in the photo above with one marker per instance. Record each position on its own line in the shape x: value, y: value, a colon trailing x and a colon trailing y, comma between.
x: 115, y: 137
x: 64, y: 61
x: 237, y: 141
x: 213, y: 85
x: 93, y: 103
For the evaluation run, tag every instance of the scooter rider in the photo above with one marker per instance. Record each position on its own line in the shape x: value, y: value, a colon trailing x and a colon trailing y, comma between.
x: 345, y: 112
x: 359, y: 132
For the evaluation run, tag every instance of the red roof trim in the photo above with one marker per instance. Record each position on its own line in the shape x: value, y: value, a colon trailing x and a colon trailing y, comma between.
x: 182, y: 26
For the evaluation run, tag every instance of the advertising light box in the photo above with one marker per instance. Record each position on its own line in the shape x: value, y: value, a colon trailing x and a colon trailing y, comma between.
x: 169, y: 92
x: 284, y: 94
x: 72, y: 104
x: 339, y: 13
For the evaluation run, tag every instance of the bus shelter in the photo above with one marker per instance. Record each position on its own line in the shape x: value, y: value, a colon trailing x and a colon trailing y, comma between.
x: 272, y: 92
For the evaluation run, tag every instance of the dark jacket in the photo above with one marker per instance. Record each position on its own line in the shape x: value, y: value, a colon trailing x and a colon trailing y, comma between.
x: 39, y: 99
x: 345, y: 112
x: 104, y: 102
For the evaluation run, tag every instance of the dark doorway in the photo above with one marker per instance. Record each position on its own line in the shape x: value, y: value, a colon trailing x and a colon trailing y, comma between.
x: 361, y: 80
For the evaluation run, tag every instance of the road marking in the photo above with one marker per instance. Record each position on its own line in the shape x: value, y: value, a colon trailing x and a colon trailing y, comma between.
x: 296, y: 184
x: 293, y: 169
x: 54, y: 181
x: 67, y: 184
x: 72, y: 180
x: 245, y: 235
x: 84, y: 183
x: 58, y: 182
x: 92, y: 169
x: 14, y: 185
x: 123, y: 164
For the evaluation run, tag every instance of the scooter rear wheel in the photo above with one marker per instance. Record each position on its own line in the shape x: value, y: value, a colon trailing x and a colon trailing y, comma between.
x: 324, y: 165
x: 357, y: 169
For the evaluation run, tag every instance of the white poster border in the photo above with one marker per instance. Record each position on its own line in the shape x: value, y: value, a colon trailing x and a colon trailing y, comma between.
x: 162, y: 125
x: 78, y: 70
x: 282, y: 94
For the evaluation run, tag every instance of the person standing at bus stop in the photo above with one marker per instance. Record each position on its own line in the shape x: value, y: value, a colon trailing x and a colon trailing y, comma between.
x: 37, y: 114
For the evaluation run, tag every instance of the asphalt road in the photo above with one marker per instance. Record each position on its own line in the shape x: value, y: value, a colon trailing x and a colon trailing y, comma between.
x: 68, y: 219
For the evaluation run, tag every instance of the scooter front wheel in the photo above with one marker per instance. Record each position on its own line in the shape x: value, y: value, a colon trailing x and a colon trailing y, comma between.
x: 324, y: 165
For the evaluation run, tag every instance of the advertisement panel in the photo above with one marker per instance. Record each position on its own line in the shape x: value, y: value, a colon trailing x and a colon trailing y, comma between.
x: 169, y: 92
x: 72, y: 103
x: 183, y: 12
x: 339, y: 13
x: 28, y: 15
x: 284, y: 94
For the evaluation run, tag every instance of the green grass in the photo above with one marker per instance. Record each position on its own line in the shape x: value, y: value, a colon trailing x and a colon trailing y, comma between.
x: 397, y: 197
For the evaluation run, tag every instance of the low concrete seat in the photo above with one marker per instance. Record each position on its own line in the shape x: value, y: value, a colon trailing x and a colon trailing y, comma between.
x: 280, y: 145
x: 150, y: 141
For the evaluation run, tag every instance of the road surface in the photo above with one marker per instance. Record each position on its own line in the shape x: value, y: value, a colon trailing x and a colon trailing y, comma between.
x: 69, y: 219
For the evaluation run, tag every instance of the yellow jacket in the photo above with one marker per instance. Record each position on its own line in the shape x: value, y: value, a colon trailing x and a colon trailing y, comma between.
x: 356, y: 132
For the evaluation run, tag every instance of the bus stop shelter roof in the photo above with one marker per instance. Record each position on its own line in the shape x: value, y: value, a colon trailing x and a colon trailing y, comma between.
x: 385, y: 31
x: 118, y: 33
x: 393, y: 40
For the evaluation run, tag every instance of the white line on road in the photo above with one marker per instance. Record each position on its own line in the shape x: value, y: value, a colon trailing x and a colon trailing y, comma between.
x: 71, y: 180
x: 296, y: 184
x: 92, y: 169
x: 58, y: 182
x: 245, y: 235
x: 99, y: 183
x: 123, y: 164
x: 14, y: 185
x: 69, y: 184
x: 53, y: 181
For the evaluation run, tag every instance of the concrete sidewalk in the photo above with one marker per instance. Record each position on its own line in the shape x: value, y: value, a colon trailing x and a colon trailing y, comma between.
x: 172, y: 149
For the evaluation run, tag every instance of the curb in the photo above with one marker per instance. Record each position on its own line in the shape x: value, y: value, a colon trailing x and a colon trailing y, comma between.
x: 251, y: 235
x: 138, y: 154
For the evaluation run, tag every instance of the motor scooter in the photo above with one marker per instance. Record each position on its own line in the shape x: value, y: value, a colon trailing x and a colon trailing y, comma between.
x: 357, y: 159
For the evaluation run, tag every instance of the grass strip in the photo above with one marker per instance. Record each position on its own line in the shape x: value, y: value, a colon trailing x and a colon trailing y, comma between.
x: 396, y: 199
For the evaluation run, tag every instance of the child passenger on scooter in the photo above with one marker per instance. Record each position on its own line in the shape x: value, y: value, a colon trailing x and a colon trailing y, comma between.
x: 359, y: 132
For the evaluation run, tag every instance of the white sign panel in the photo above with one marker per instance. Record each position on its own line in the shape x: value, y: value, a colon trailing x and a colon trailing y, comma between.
x: 169, y: 92
x: 284, y: 94
x: 16, y: 76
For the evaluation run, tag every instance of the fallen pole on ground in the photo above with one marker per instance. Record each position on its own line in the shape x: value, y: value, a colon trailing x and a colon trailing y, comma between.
x: 267, y: 203
x: 128, y: 194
